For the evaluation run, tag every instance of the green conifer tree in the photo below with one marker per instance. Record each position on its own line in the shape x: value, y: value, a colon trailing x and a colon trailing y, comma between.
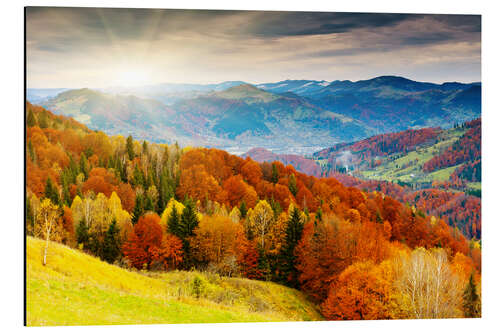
x: 84, y: 165
x: 173, y: 222
x: 130, y: 147
x: 51, y: 191
x: 189, y: 220
x: 138, y: 208
x: 243, y: 209
x: 275, y: 175
x: 470, y: 300
x: 292, y: 184
x: 111, y: 246
x: 42, y: 121
x: 30, y: 219
x: 31, y: 152
x: 287, y: 259
x: 82, y: 234
x: 30, y: 120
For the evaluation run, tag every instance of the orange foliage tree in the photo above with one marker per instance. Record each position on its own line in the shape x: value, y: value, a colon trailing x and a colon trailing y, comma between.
x: 362, y: 291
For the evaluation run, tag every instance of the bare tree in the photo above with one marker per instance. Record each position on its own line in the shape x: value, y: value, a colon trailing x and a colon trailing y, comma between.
x: 426, y: 285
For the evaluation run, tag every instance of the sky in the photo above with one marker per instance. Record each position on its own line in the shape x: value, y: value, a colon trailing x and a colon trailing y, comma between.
x: 99, y: 48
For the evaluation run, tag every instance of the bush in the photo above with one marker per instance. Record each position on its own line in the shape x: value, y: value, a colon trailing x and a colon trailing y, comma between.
x: 197, y: 287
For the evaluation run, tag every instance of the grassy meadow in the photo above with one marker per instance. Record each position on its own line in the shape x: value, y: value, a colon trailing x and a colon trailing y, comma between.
x: 77, y: 289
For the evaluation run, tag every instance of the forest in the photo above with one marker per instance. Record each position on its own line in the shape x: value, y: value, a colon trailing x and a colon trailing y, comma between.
x: 356, y: 251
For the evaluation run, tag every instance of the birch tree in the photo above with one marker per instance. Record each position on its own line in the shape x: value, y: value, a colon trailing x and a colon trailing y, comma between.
x: 47, y: 225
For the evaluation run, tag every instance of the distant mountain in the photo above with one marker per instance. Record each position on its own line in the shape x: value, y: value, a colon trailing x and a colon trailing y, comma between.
x: 391, y: 103
x: 299, y: 87
x: 247, y: 116
x: 300, y: 163
x: 37, y: 95
x: 115, y: 114
x: 281, y: 116
x: 241, y: 115
x: 169, y: 93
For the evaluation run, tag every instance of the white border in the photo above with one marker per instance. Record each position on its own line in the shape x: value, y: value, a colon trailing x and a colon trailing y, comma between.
x: 11, y: 176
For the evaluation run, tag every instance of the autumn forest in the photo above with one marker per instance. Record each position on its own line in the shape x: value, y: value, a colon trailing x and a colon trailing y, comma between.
x: 355, y: 249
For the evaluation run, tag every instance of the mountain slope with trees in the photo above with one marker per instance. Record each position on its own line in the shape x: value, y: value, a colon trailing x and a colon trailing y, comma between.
x: 158, y: 207
x: 292, y: 113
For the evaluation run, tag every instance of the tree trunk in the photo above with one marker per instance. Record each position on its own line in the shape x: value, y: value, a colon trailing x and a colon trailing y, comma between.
x: 45, y: 252
x: 46, y: 244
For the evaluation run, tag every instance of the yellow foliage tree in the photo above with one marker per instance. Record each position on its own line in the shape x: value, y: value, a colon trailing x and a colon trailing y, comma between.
x: 48, y: 225
x: 426, y: 286
x: 260, y: 220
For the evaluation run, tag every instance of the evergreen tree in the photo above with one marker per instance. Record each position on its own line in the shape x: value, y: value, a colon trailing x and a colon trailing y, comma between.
x: 319, y: 216
x: 148, y: 204
x: 287, y: 258
x: 111, y: 246
x: 84, y: 165
x: 31, y: 151
x: 42, y: 121
x: 144, y: 147
x: 165, y: 192
x: 30, y: 120
x: 173, y: 222
x: 72, y: 169
x: 243, y: 209
x: 51, y: 191
x: 66, y: 197
x: 130, y: 148
x: 138, y: 177
x: 82, y: 234
x: 292, y: 184
x: 189, y: 220
x: 471, y: 302
x: 138, y: 209
x: 263, y: 265
x: 275, y: 175
x: 30, y: 219
x: 275, y: 205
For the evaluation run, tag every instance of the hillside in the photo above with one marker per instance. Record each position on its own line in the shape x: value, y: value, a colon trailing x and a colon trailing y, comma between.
x: 116, y: 114
x: 77, y: 289
x: 300, y: 163
x: 294, y: 113
x: 241, y: 115
x: 415, y: 157
x: 215, y: 216
x: 407, y: 103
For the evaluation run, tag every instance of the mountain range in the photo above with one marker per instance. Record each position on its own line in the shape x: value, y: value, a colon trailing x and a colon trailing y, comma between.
x: 292, y: 116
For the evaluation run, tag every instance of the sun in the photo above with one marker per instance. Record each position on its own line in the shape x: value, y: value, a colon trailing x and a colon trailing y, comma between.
x: 132, y: 77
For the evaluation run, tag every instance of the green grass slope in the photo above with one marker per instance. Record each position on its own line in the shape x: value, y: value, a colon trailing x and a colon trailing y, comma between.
x: 77, y: 289
x: 408, y: 167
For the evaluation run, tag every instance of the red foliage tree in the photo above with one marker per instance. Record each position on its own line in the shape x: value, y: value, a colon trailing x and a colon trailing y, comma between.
x: 144, y: 243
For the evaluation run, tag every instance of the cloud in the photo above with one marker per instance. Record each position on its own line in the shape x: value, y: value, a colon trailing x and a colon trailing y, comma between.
x: 317, y: 23
x: 87, y: 46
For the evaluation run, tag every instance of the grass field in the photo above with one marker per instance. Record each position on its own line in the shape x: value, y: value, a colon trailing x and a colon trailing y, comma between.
x: 78, y: 289
x: 474, y: 186
x: 408, y: 168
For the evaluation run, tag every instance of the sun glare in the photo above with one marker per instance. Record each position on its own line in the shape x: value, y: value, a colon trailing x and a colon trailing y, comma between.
x: 132, y: 77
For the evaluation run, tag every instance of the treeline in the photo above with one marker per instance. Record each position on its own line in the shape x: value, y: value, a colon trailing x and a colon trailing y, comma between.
x: 466, y: 149
x: 458, y: 209
x: 159, y: 207
x: 381, y: 145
